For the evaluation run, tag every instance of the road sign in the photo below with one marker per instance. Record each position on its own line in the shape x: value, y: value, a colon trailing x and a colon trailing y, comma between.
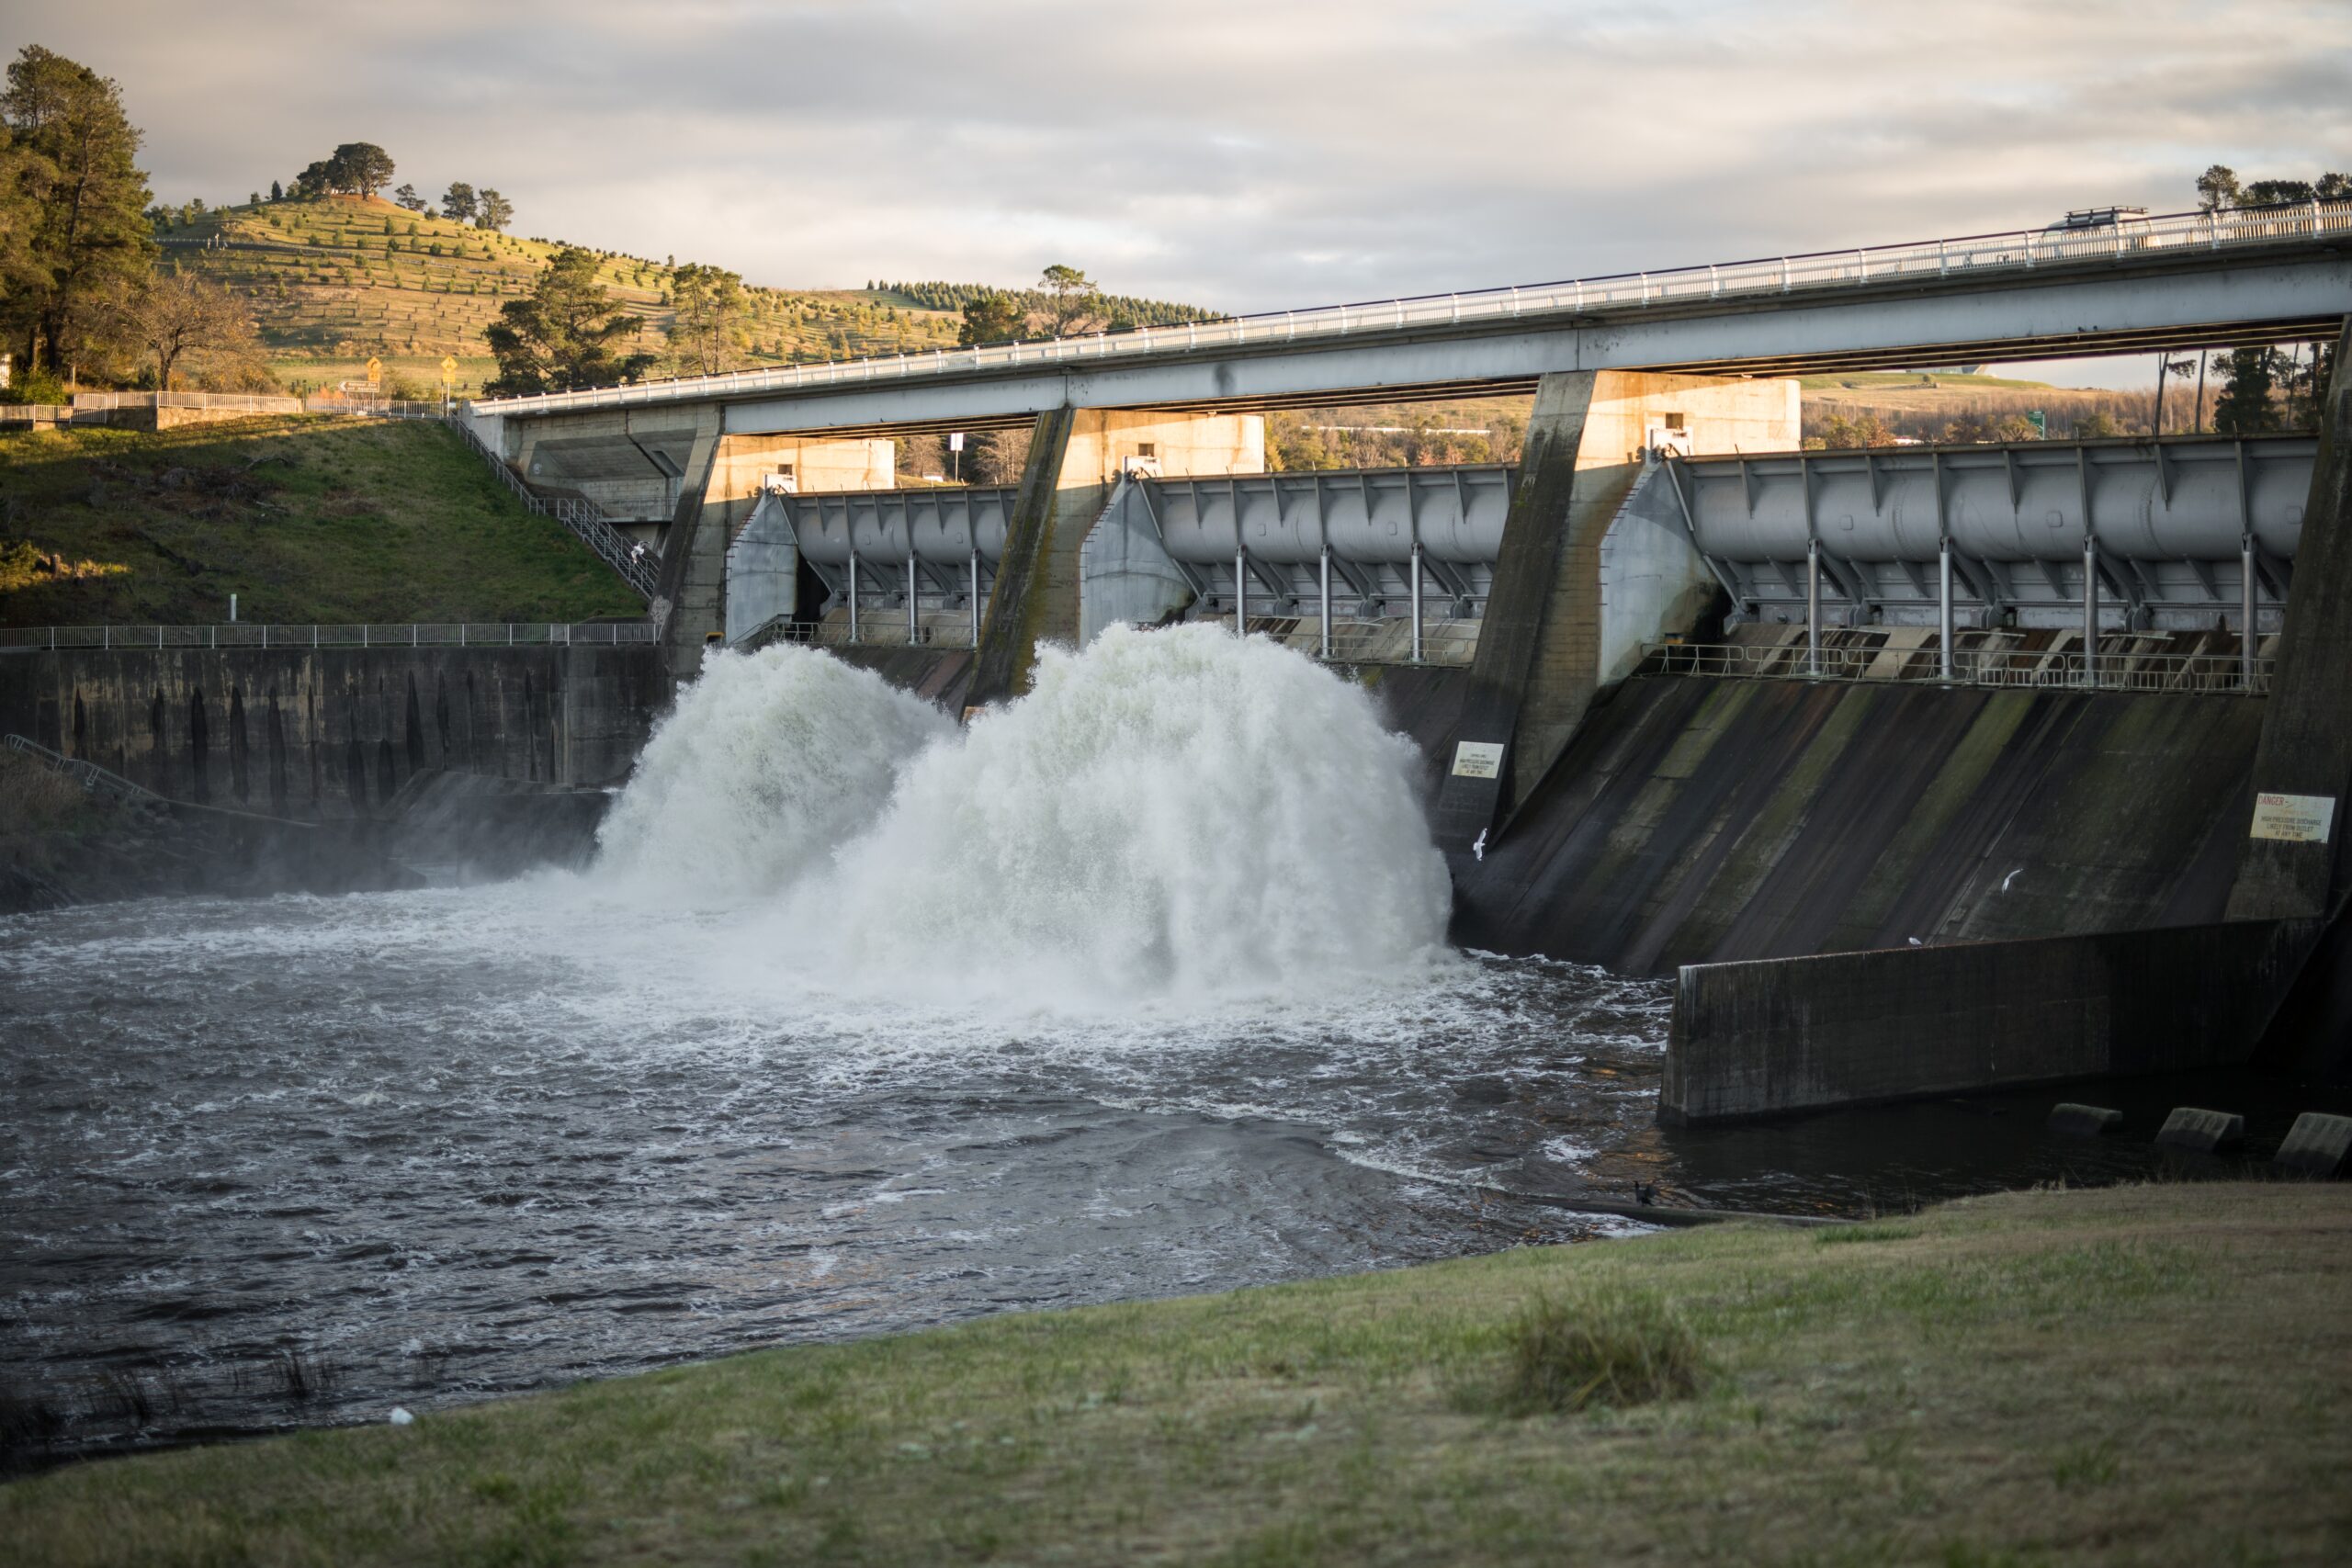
x: 375, y: 371
x: 448, y: 370
x: 2035, y: 418
x: 955, y: 441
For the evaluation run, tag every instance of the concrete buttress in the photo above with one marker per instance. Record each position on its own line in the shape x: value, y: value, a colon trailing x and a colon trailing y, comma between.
x: 2306, y: 744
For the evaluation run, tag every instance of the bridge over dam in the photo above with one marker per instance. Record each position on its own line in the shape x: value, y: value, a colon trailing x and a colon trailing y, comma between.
x: 1997, y: 723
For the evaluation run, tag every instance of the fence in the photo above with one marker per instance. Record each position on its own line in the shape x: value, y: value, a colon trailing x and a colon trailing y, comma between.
x: 250, y: 634
x: 580, y: 515
x: 2017, y: 250
x: 93, y: 779
x: 223, y: 402
x: 2117, y: 670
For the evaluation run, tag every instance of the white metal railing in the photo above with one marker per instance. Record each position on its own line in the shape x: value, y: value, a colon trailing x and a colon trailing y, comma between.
x: 2108, y: 668
x: 93, y: 779
x: 1975, y: 254
x: 36, y: 414
x: 230, y: 403
x: 252, y: 634
x: 583, y: 516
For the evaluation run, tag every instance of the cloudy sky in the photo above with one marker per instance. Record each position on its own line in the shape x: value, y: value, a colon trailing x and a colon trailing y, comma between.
x: 1239, y: 153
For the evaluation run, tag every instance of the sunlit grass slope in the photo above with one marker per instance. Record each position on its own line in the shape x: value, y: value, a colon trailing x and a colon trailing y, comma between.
x: 305, y: 519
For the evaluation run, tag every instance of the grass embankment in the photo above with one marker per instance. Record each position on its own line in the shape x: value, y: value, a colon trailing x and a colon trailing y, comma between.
x: 2156, y: 1374
x: 305, y: 519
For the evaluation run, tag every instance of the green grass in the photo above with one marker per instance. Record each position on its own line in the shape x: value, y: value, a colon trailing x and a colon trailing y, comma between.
x: 305, y: 519
x: 2156, y: 1374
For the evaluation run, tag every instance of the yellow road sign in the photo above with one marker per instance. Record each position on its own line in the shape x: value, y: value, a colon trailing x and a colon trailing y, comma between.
x: 448, y: 370
x: 375, y: 371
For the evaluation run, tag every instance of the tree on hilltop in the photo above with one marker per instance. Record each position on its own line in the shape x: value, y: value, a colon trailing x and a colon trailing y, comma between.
x: 406, y: 197
x: 458, y: 203
x: 73, y: 206
x: 277, y: 191
x: 493, y: 211
x: 361, y: 168
x: 562, y: 337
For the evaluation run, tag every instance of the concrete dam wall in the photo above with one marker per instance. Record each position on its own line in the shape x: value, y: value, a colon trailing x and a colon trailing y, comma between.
x: 1697, y: 819
x: 335, y: 732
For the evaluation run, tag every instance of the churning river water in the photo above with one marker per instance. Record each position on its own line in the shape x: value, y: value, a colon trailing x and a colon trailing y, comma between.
x: 860, y: 1023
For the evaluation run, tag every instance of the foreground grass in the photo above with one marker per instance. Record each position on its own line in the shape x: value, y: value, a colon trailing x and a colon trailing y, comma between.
x: 2156, y: 1374
x: 305, y: 519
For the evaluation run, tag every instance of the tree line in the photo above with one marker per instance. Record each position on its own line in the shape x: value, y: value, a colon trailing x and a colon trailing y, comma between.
x: 1116, y: 311
x: 80, y: 291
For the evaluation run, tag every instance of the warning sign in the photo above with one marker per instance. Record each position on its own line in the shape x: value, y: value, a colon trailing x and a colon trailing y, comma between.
x: 2296, y: 819
x: 1478, y: 760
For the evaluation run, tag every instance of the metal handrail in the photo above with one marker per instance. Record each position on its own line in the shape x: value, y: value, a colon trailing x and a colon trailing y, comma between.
x: 583, y: 516
x: 93, y: 779
x: 2016, y: 250
x: 2112, y: 669
x: 255, y: 634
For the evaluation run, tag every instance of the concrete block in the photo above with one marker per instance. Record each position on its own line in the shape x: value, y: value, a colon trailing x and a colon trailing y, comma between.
x: 2084, y: 1120
x: 2316, y: 1145
x: 2205, y: 1131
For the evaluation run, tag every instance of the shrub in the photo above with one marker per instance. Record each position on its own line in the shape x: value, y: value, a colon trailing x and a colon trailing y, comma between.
x: 1601, y: 1347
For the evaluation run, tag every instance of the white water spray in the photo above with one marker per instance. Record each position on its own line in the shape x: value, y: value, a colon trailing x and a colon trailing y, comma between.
x: 1167, y: 813
x: 768, y: 762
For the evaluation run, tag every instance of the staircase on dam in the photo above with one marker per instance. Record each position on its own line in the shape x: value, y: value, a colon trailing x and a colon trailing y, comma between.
x: 635, y: 565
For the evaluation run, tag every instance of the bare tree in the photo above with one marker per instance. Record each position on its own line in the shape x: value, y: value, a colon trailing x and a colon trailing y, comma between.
x: 172, y: 316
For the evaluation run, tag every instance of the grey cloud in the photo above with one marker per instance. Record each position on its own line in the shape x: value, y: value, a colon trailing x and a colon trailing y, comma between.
x: 1243, y: 154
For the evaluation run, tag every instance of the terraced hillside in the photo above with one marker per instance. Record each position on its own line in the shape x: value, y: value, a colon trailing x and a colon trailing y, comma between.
x: 337, y: 280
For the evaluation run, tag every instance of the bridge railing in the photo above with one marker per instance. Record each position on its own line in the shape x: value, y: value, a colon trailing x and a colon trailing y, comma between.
x: 2103, y: 670
x: 1970, y: 255
x: 255, y: 634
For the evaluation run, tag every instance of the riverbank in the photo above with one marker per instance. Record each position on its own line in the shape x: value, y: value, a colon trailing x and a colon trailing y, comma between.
x: 2145, y: 1375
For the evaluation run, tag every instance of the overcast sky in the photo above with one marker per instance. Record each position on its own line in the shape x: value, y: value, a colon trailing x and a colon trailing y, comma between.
x: 1244, y: 154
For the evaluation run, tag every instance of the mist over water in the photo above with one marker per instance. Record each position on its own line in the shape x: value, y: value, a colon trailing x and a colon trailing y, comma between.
x: 767, y: 764
x: 1170, y: 816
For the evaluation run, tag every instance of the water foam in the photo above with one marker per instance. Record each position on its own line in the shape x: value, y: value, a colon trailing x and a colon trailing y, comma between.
x: 767, y: 764
x: 1170, y: 812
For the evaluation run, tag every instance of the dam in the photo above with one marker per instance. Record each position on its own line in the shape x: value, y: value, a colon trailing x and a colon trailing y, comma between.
x: 1168, y: 872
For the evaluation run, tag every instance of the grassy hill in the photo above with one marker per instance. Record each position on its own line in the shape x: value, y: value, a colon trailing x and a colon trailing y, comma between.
x: 305, y: 519
x: 341, y: 278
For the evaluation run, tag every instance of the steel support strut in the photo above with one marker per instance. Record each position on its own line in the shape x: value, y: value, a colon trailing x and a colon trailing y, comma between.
x: 2090, y: 608
x: 1943, y: 601
x: 1813, y: 608
x: 2246, y: 632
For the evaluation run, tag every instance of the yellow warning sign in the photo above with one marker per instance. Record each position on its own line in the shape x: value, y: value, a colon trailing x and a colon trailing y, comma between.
x: 449, y: 369
x: 375, y: 371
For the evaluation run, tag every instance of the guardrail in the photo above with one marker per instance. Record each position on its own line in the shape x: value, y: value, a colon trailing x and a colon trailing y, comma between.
x: 232, y: 402
x: 2015, y: 251
x: 252, y: 634
x: 624, y: 554
x: 2106, y: 669
x: 93, y: 779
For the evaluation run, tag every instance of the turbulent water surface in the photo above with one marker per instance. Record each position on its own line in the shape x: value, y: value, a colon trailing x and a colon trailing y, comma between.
x: 860, y: 1023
